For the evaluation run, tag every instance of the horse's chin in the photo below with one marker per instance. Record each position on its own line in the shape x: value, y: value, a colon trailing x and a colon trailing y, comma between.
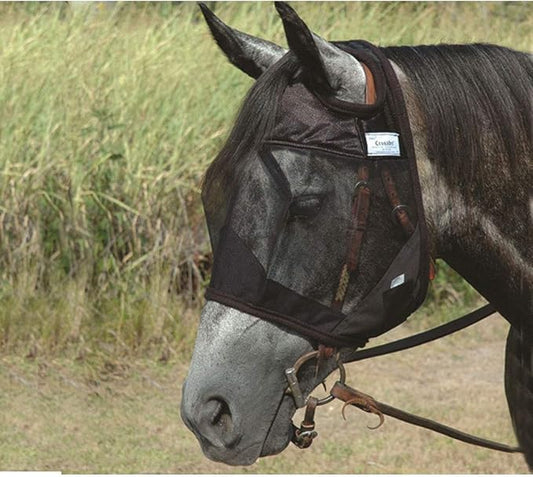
x: 280, y: 432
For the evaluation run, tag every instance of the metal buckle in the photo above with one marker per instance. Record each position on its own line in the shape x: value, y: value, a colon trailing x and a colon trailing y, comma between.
x: 304, y: 439
x: 361, y: 183
x: 397, y: 209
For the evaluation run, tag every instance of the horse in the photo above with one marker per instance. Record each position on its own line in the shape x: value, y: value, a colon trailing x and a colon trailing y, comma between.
x: 469, y: 110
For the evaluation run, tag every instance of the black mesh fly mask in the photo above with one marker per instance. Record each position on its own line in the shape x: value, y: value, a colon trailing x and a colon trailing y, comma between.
x: 331, y: 193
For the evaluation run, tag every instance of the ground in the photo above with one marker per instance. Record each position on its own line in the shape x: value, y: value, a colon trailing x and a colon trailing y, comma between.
x: 123, y: 417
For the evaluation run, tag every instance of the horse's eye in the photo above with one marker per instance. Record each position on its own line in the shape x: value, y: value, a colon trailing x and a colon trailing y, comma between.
x: 305, y: 207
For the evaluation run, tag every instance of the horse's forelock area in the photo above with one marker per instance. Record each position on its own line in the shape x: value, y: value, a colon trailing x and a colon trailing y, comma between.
x: 254, y: 122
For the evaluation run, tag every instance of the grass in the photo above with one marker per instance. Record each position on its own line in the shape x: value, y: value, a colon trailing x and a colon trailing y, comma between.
x: 122, y: 416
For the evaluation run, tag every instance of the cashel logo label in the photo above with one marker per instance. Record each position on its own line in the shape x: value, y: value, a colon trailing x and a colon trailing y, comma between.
x: 383, y: 144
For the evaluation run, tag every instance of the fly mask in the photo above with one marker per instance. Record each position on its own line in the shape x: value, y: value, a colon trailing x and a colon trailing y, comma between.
x: 370, y: 148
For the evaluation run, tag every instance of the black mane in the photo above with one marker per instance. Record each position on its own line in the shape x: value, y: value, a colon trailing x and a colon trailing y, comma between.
x: 254, y: 122
x: 463, y: 91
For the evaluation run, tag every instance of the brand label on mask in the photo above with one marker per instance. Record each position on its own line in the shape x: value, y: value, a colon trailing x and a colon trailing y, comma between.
x: 399, y: 280
x: 383, y: 144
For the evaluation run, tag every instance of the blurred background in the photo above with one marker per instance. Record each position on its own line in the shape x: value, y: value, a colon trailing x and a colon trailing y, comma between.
x: 110, y: 114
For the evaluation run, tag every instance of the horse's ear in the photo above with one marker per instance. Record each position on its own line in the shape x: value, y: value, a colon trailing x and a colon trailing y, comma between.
x: 249, y: 54
x: 326, y: 66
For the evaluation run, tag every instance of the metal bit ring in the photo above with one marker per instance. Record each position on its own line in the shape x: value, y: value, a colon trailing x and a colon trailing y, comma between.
x: 294, y: 388
x: 398, y: 208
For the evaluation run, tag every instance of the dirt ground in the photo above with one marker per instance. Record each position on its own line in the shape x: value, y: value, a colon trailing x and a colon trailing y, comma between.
x: 123, y: 417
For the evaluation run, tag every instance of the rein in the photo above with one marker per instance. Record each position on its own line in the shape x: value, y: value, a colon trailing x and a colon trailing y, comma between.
x: 304, y: 435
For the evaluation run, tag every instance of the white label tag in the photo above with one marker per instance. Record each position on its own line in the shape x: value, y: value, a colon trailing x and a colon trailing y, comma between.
x: 383, y: 144
x: 396, y: 282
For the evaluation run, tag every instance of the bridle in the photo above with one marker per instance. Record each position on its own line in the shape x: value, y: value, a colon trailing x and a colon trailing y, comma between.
x: 361, y: 207
x: 304, y: 435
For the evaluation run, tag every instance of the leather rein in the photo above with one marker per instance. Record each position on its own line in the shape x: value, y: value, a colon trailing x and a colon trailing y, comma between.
x: 304, y: 435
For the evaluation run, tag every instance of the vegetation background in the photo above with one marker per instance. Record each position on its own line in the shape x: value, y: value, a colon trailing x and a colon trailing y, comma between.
x: 111, y: 113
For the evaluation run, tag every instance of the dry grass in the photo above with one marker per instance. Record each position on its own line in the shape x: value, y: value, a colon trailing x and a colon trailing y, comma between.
x: 117, y: 417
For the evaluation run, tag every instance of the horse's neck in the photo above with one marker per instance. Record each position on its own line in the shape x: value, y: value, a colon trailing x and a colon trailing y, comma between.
x: 475, y: 245
x: 474, y: 241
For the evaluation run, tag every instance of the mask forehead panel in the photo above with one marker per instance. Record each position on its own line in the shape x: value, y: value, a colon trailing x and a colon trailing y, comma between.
x: 304, y: 122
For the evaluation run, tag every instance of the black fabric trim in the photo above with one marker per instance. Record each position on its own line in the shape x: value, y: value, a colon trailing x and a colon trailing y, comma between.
x: 360, y: 110
x: 382, y: 160
x: 239, y: 280
x: 301, y: 327
x: 383, y: 307
x: 400, y: 113
x: 275, y: 171
x: 290, y: 303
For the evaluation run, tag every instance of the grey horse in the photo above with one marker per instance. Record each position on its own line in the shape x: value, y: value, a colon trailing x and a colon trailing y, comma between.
x: 477, y: 208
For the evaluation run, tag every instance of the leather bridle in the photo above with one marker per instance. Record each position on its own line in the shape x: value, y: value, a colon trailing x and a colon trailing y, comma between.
x: 361, y: 207
x: 304, y: 435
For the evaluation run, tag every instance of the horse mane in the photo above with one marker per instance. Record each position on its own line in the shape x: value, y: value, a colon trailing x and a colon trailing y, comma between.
x: 254, y: 122
x: 463, y: 91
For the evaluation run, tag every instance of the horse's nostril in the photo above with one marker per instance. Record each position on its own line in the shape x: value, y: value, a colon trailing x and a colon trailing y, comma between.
x: 215, y: 422
x: 210, y: 418
x: 221, y: 415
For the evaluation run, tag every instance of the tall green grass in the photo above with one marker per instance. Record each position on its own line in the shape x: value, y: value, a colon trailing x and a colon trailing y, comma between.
x: 109, y: 116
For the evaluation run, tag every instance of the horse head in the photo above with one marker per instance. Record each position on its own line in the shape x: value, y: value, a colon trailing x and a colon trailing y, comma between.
x: 280, y: 211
